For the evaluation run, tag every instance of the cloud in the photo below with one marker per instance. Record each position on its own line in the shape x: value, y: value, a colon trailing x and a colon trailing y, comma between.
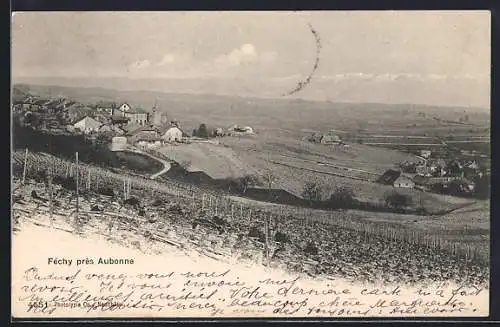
x: 390, y: 77
x: 167, y: 59
x: 140, y: 64
x: 245, y: 54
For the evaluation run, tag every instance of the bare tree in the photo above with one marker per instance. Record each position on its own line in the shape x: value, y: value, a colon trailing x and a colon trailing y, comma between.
x: 269, y: 179
x: 241, y: 184
x: 312, y: 192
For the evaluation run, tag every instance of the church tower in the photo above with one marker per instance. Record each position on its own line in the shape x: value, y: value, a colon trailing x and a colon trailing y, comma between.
x: 157, y: 115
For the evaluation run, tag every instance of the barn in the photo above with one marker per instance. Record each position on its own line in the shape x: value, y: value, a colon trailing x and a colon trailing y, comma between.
x: 173, y: 134
x: 87, y: 125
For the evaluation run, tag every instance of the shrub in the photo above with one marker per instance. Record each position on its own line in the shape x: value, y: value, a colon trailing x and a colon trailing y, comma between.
x: 342, y: 197
x: 397, y: 200
x: 202, y: 131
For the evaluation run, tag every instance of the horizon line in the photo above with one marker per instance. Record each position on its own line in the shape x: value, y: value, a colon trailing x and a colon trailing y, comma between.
x: 257, y: 97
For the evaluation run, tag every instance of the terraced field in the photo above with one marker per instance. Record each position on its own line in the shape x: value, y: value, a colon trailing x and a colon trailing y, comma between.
x: 314, y: 243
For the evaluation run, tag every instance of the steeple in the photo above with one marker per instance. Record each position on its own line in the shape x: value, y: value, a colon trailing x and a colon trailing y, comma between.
x: 155, y: 106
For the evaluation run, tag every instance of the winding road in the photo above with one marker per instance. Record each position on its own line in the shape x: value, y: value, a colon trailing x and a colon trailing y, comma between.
x: 166, y: 164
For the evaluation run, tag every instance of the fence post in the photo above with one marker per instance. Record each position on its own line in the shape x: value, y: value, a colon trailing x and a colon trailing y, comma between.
x: 216, y: 202
x: 88, y: 180
x: 203, y: 202
x: 51, y: 205
x: 266, y: 227
x: 231, y: 211
x: 77, y: 186
x: 25, y: 164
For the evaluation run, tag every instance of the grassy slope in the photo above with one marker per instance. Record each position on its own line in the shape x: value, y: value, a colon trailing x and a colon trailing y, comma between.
x: 252, y: 155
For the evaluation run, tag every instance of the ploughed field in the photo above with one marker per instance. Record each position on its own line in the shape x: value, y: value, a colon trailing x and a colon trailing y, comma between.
x: 226, y: 231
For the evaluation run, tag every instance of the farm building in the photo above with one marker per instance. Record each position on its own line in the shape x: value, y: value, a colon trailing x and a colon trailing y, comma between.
x: 173, y: 134
x: 87, y: 125
x: 118, y: 143
x: 404, y: 182
x: 330, y: 139
x: 389, y: 177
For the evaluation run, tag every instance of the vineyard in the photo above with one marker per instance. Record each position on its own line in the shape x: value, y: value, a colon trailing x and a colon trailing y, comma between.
x: 313, y: 241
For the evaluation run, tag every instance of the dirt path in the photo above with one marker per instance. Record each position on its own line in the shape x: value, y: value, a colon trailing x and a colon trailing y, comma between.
x: 166, y: 164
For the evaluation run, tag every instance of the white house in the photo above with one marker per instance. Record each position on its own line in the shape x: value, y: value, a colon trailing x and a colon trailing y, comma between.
x: 87, y: 125
x: 404, y: 182
x: 173, y: 134
x: 124, y: 107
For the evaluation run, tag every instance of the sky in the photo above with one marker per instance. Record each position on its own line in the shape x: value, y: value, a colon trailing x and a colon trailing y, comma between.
x: 440, y: 58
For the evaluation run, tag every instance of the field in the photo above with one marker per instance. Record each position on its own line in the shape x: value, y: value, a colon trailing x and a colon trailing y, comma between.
x: 293, y: 163
x: 219, y: 226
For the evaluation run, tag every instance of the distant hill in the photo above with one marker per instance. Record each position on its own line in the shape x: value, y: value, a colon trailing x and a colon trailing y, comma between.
x: 281, y: 113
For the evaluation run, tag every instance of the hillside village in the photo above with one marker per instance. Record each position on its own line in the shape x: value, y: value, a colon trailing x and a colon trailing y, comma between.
x: 123, y: 124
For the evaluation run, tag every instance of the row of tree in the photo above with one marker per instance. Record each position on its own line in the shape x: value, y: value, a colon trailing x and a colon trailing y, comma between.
x: 344, y: 197
x: 315, y: 194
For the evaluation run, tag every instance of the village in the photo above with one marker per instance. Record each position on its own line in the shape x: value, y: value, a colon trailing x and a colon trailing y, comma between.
x: 458, y: 177
x: 124, y: 125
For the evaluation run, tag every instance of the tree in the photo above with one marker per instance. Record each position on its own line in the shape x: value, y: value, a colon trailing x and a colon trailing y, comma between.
x: 270, y: 179
x: 397, y: 200
x: 342, y: 197
x: 454, y: 168
x: 202, y: 131
x: 194, y: 132
x: 241, y: 184
x: 312, y: 192
x: 102, y: 141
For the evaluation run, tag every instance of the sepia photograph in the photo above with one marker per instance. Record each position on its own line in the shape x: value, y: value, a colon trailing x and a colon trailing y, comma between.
x: 250, y: 164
